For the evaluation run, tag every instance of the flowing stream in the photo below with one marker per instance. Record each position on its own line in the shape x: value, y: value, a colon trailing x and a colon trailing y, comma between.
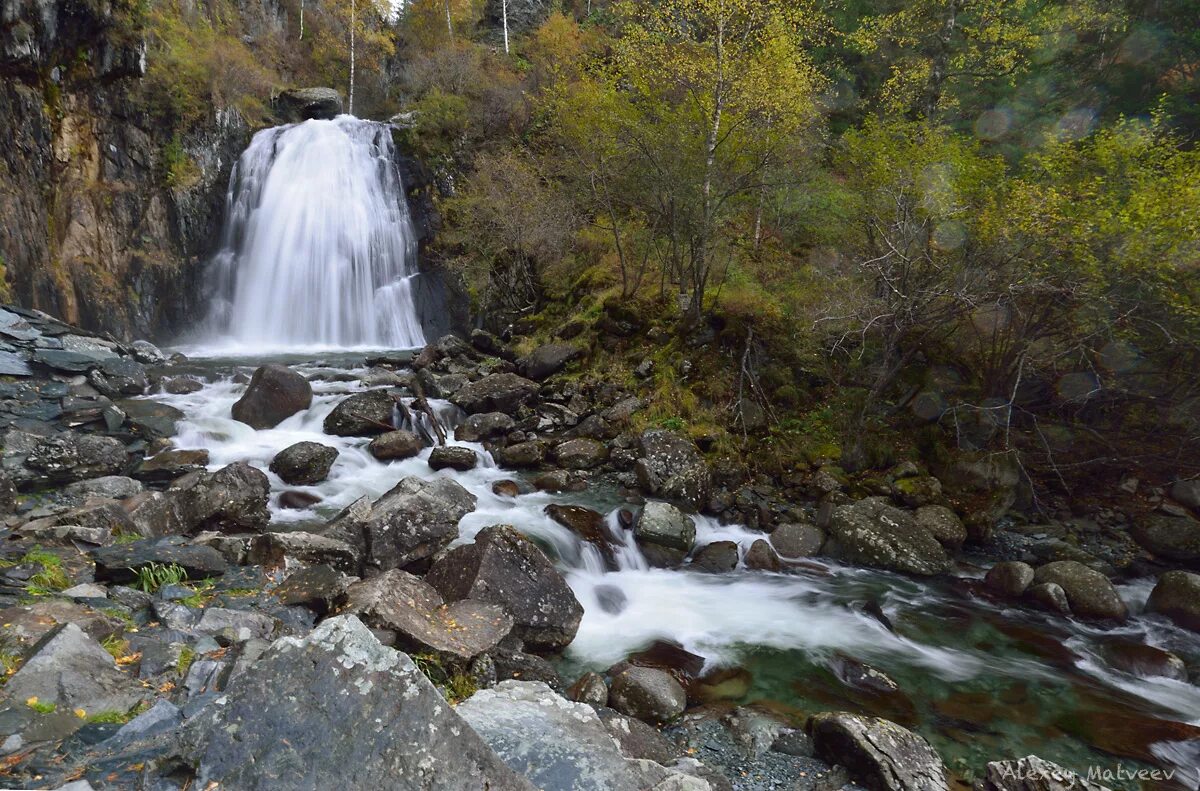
x: 319, y: 252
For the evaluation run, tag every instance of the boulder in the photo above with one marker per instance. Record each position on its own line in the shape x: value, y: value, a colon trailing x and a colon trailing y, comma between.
x: 362, y: 415
x: 120, y: 563
x: 1145, y: 661
x: 879, y: 754
x: 647, y: 693
x: 1033, y: 774
x: 718, y: 557
x: 413, y: 521
x: 505, y: 568
x: 503, y: 392
x: 1089, y: 592
x: 1010, y: 578
x: 182, y: 385
x: 580, y: 454
x: 286, y: 550
x: 167, y: 465
x: 558, y: 744
x: 71, y: 456
x: 665, y: 534
x: 1177, y: 596
x: 547, y: 360
x: 398, y: 601
x: 918, y: 490
x: 944, y: 524
x: 150, y: 420
x: 670, y: 466
x: 797, y: 539
x: 874, y: 533
x: 358, y: 715
x: 233, y: 498
x: 318, y: 588
x: 761, y: 557
x: 590, y: 689
x: 69, y: 670
x: 300, y: 104
x: 1187, y: 493
x: 147, y: 353
x: 583, y: 522
x: 1050, y: 596
x: 154, y: 514
x: 396, y: 445
x: 304, y: 463
x: 506, y: 488
x: 451, y: 457
x: 484, y: 426
x: 522, y: 455
x: 274, y: 394
x: 1170, y: 537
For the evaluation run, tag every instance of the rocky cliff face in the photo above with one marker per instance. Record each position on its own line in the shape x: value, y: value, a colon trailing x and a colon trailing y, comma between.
x: 92, y: 230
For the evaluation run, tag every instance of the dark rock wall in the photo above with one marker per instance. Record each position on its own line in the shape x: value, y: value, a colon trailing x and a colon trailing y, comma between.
x: 90, y: 230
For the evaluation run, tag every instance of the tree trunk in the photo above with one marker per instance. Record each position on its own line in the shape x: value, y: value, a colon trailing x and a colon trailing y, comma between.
x: 701, y: 259
x: 504, y: 17
x: 301, y: 20
x: 353, y: 25
x: 449, y: 22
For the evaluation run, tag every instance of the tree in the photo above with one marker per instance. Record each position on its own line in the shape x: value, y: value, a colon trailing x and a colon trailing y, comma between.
x: 702, y: 99
x: 353, y: 36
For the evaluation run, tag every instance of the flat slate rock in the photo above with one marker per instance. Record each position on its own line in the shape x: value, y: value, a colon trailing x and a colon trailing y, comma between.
x: 120, y: 562
x: 13, y: 364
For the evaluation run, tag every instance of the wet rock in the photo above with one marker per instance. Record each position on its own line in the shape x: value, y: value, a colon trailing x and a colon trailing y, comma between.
x: 648, y: 694
x: 584, y: 522
x: 505, y: 568
x: 752, y: 731
x: 1177, y: 596
x: 797, y: 539
x: 411, y: 522
x: 352, y: 686
x: 1033, y: 774
x: 1170, y: 537
x: 168, y: 465
x: 488, y: 343
x: 670, y: 466
x: 69, y: 670
x: 362, y: 415
x: 1089, y: 593
x: 761, y: 557
x: 1187, y: 493
x: 590, y: 689
x: 119, y: 377
x: 121, y: 562
x: 395, y: 445
x: 511, y: 662
x: 400, y: 602
x: 874, y: 533
x: 560, y: 481
x: 1010, y: 578
x: 182, y: 385
x: 286, y: 550
x: 503, y: 392
x: 485, y: 426
x: 1146, y: 661
x: 68, y: 457
x: 880, y: 755
x: 522, y: 455
x: 147, y: 353
x: 558, y: 744
x: 719, y: 557
x: 918, y: 491
x: 233, y: 498
x: 154, y: 514
x: 548, y: 360
x: 943, y: 524
x: 872, y: 689
x: 298, y: 501
x: 116, y: 487
x: 580, y: 454
x: 637, y: 739
x: 450, y: 457
x: 1050, y: 596
x: 506, y: 488
x: 300, y: 104
x: 664, y: 533
x: 731, y: 683
x: 304, y: 463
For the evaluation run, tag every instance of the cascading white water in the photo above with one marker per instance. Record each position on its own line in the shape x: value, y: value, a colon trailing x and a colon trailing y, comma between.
x: 319, y: 247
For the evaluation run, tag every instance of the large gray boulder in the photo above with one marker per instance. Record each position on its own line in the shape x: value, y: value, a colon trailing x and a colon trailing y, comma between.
x: 504, y: 393
x: 1034, y: 774
x: 120, y: 563
x: 484, y: 426
x: 879, y: 754
x: 647, y: 693
x: 580, y: 454
x: 396, y: 445
x: 1089, y: 592
x: 1177, y: 596
x: 67, y: 457
x: 274, y: 394
x: 558, y: 744
x: 1187, y: 493
x: 422, y: 621
x: 300, y: 104
x: 797, y: 539
x: 1170, y: 537
x: 233, y: 498
x: 547, y: 360
x: 69, y: 670
x: 354, y: 714
x: 505, y: 568
x: 670, y: 466
x: 362, y: 415
x: 665, y: 534
x: 874, y: 533
x: 1010, y: 578
x: 304, y: 463
x: 413, y: 521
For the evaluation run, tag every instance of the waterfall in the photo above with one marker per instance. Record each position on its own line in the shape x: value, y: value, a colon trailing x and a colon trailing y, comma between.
x: 319, y: 249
